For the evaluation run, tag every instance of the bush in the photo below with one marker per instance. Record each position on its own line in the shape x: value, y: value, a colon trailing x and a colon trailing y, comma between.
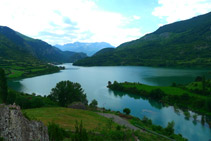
x: 93, y: 104
x: 126, y: 111
x: 56, y: 133
x: 3, y: 86
x: 157, y: 94
x: 80, y: 132
x: 146, y: 120
x: 1, y: 139
x: 187, y: 115
x: 169, y: 130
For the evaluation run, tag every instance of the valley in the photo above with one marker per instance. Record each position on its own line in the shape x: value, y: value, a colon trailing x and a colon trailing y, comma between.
x: 95, y: 79
x: 159, y: 84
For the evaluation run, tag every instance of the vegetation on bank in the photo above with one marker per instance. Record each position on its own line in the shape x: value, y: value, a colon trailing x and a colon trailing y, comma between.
x: 146, y: 125
x: 61, y: 121
x: 96, y: 127
x: 67, y: 92
x: 180, y: 44
x: 184, y: 97
x: 17, y: 70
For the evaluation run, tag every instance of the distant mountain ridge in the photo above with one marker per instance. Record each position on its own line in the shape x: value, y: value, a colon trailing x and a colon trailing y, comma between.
x: 22, y: 56
x: 21, y: 44
x: 185, y: 44
x: 88, y: 48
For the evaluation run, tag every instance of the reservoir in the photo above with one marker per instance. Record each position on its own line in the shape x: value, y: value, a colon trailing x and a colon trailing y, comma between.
x: 94, y: 81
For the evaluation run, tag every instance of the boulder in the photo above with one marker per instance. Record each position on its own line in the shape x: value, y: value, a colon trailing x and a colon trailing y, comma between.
x: 77, y: 105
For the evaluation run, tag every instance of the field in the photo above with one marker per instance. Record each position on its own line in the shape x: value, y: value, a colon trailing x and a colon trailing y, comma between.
x: 66, y: 117
x: 166, y: 89
x: 195, y: 96
x: 19, y: 69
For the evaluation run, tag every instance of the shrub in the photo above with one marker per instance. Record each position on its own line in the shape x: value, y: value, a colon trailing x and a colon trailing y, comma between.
x: 187, y: 115
x: 169, y: 130
x: 80, y: 132
x: 3, y: 86
x: 93, y: 104
x: 146, y: 120
x: 56, y: 133
x: 157, y: 94
x: 126, y: 111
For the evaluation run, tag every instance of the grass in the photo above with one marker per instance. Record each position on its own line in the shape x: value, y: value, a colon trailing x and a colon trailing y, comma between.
x: 21, y: 69
x: 199, y: 86
x: 181, y: 96
x: 66, y: 117
x: 166, y: 89
x: 15, y: 74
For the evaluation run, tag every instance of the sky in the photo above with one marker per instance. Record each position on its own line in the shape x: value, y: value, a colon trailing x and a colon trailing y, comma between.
x: 112, y: 21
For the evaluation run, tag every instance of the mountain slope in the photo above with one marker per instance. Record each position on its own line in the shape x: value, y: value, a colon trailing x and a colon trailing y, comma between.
x: 88, y: 48
x: 37, y: 48
x: 185, y: 43
x: 22, y: 56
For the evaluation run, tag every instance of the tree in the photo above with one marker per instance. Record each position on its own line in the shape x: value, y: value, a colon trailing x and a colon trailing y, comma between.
x: 170, y: 128
x: 109, y: 83
x: 126, y: 111
x: 198, y: 79
x: 3, y: 86
x: 67, y: 92
x: 157, y: 94
x: 93, y: 104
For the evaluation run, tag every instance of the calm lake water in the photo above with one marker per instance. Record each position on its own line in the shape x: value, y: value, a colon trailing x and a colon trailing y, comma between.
x: 94, y: 81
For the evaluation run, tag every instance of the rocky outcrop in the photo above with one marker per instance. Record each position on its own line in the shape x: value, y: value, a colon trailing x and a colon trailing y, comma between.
x: 15, y: 127
x: 77, y: 105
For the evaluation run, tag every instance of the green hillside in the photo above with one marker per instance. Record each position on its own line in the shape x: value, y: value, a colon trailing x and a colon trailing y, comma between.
x: 37, y: 48
x: 22, y: 56
x: 98, y: 127
x: 184, y: 44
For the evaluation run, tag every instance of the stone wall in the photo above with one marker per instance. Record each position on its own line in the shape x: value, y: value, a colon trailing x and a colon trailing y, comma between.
x: 15, y: 127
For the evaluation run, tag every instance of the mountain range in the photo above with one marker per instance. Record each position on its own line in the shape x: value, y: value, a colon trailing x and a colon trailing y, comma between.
x: 88, y: 48
x: 22, y: 56
x: 12, y: 42
x: 184, y: 44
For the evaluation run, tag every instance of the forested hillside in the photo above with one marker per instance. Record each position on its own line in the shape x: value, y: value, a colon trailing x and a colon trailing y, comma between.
x: 184, y: 44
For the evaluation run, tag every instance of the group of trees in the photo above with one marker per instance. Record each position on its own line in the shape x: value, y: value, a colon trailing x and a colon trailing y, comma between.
x: 67, y: 92
x: 185, y: 100
x: 63, y: 94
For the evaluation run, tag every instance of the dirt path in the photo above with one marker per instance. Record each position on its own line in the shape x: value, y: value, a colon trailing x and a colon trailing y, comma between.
x: 122, y: 121
x: 119, y: 120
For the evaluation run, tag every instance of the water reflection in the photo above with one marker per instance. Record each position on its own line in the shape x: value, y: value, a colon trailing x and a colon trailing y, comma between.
x: 94, y: 81
x: 121, y: 94
x: 16, y: 85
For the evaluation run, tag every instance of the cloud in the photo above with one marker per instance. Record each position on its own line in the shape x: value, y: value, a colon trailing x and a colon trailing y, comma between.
x: 136, y: 17
x: 64, y: 21
x: 174, y: 10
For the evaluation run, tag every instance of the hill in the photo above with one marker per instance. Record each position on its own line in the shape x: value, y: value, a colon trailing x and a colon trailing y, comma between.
x: 97, y: 126
x: 23, y: 56
x: 184, y: 44
x: 37, y: 48
x: 88, y: 48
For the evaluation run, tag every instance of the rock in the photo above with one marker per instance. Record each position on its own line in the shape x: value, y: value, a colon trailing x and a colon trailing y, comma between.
x: 77, y: 105
x: 14, y: 126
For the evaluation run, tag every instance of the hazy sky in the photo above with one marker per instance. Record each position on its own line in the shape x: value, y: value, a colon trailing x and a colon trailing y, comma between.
x: 112, y: 21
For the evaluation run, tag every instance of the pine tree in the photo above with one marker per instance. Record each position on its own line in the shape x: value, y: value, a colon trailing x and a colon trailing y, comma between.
x: 3, y: 86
